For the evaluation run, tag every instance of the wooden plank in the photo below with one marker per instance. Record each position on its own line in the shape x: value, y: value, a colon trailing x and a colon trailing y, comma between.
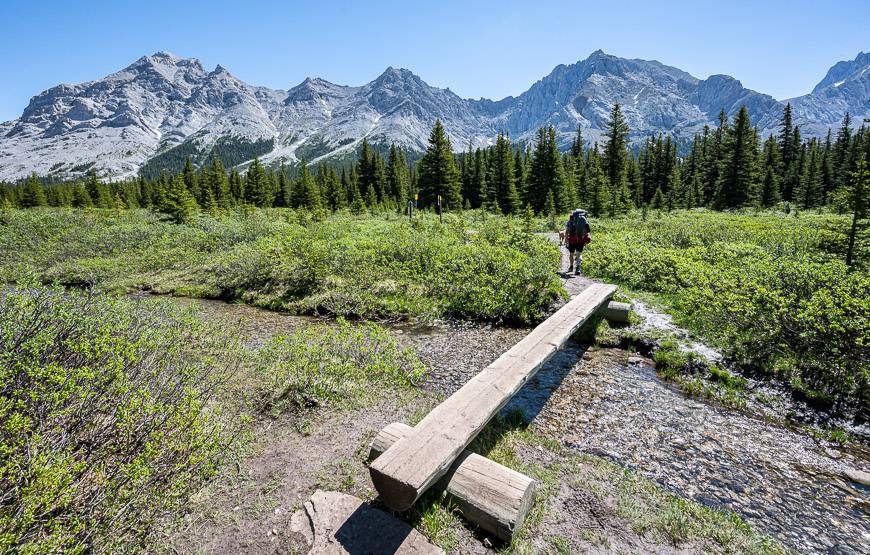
x: 488, y: 494
x: 415, y: 462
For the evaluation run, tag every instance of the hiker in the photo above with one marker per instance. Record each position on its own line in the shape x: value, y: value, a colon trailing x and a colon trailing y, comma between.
x: 577, y: 235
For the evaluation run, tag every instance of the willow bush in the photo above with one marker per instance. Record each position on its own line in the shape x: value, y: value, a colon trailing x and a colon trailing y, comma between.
x: 112, y: 413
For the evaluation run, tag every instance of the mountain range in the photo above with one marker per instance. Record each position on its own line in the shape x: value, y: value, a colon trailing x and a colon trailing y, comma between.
x: 162, y: 109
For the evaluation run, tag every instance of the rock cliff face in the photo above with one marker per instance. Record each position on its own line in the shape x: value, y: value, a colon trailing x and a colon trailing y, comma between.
x: 845, y: 88
x: 164, y: 107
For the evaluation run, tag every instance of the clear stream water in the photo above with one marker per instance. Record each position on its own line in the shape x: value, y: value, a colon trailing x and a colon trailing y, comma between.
x: 611, y: 403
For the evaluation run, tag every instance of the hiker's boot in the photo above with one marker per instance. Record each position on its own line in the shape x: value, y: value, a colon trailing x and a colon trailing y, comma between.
x: 577, y: 272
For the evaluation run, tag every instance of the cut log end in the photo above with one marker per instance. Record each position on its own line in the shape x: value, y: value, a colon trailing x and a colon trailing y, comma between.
x: 396, y: 495
x: 489, y: 495
x: 616, y: 312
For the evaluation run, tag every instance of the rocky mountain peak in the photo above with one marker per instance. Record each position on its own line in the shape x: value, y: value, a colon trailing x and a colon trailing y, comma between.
x: 139, y: 114
x: 844, y: 71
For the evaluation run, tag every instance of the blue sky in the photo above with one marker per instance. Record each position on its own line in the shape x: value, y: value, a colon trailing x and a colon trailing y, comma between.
x: 477, y: 48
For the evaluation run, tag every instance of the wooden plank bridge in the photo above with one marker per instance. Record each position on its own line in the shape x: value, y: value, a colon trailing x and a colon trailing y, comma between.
x: 412, y: 460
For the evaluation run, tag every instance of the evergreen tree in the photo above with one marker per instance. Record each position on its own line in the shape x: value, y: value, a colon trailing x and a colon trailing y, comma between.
x: 371, y: 198
x: 547, y: 174
x: 786, y: 136
x: 237, y: 187
x: 715, y: 157
x: 502, y: 180
x: 738, y: 178
x: 520, y: 174
x: 365, y: 168
x: 658, y: 200
x: 178, y: 203
x: 191, y: 181
x: 257, y: 188
x: 577, y: 145
x: 841, y: 151
x: 791, y: 177
x: 772, y: 163
x: 34, y: 194
x: 285, y: 191
x: 598, y: 200
x: 358, y: 205
x: 616, y: 157
x: 308, y: 196
x: 98, y: 192
x: 811, y: 178
x: 81, y: 198
x: 336, y: 196
x: 397, y: 175
x: 438, y: 174
x: 829, y: 180
x: 857, y: 190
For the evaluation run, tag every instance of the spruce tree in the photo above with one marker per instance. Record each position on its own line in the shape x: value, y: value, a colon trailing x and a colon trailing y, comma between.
x: 715, y: 157
x: 33, y: 194
x: 81, y: 198
x: 546, y: 174
x: 857, y: 191
x: 786, y: 136
x: 616, y: 156
x: 829, y: 178
x: 791, y: 179
x: 738, y: 179
x: 598, y: 200
x: 841, y: 151
x: 811, y: 178
x: 257, y: 187
x: 771, y: 169
x: 336, y: 196
x: 520, y: 174
x: 308, y: 194
x: 658, y: 200
x: 438, y: 174
x: 177, y: 202
x: 577, y: 145
x: 98, y: 192
x: 397, y: 176
x: 191, y: 181
x: 237, y: 187
x: 285, y: 191
x: 502, y: 176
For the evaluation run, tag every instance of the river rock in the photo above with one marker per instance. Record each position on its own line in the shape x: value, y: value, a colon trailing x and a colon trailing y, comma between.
x: 337, y: 523
x: 858, y: 476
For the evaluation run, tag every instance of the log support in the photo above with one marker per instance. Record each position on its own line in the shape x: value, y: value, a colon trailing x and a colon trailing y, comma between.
x: 616, y: 312
x: 488, y: 494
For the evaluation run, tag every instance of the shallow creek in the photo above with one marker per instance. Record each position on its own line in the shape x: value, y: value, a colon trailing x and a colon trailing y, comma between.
x: 611, y: 403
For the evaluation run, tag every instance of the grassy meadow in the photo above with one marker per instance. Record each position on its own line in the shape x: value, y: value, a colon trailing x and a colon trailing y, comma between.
x: 114, y: 412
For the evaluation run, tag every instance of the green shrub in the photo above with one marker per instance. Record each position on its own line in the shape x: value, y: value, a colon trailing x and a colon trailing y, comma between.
x: 111, y: 414
x: 770, y: 291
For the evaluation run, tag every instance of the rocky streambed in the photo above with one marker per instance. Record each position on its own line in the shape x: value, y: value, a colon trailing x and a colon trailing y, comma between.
x: 806, y: 493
